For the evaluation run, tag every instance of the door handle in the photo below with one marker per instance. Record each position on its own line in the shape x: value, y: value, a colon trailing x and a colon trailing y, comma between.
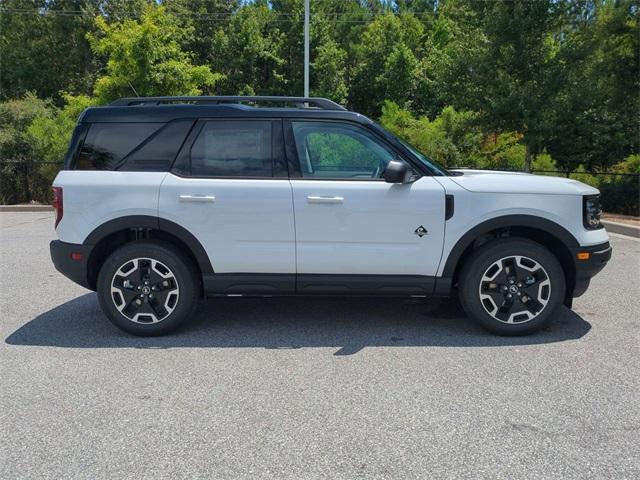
x: 314, y: 199
x: 197, y: 198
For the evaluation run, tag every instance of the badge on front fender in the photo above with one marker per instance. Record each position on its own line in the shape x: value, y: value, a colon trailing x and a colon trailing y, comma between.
x: 421, y: 231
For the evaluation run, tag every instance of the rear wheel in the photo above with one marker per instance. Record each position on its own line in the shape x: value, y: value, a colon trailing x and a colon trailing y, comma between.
x: 147, y: 288
x: 511, y: 286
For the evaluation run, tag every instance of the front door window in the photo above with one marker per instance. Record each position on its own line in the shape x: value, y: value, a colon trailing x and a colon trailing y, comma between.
x: 339, y: 151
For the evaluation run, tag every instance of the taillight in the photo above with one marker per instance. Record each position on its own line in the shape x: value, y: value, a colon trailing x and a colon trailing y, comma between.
x: 57, y: 204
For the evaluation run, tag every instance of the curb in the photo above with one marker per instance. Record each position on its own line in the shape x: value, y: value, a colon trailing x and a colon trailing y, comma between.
x: 26, y: 208
x: 622, y: 228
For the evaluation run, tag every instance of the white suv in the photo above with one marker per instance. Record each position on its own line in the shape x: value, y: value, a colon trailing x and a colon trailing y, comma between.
x: 164, y: 200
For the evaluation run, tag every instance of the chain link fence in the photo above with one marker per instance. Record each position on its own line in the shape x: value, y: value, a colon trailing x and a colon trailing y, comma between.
x: 24, y: 181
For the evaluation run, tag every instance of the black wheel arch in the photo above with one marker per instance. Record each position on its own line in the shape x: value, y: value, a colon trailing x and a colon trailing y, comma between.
x: 546, y: 232
x: 114, y: 233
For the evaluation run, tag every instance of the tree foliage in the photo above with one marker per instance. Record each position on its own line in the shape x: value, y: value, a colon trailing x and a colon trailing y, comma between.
x: 49, y: 133
x: 18, y: 180
x: 490, y: 84
x: 144, y: 58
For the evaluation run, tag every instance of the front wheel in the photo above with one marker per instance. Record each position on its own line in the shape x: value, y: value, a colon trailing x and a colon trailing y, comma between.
x: 147, y: 288
x: 511, y: 286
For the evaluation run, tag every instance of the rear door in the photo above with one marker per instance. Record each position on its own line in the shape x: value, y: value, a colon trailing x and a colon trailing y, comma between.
x: 348, y: 219
x: 229, y: 188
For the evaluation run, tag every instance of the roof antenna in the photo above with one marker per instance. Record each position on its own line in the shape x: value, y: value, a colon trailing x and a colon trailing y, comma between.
x: 134, y: 90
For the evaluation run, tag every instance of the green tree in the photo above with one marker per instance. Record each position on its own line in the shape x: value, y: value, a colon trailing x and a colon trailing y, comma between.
x: 451, y: 138
x: 201, y: 19
x: 398, y: 79
x: 48, y: 136
x: 505, y: 61
x: 43, y: 49
x: 18, y: 171
x: 145, y: 58
x: 49, y: 133
x: 593, y: 116
x: 385, y: 55
x: 522, y: 49
x: 249, y: 52
x: 119, y: 10
x: 329, y: 72
x: 454, y: 41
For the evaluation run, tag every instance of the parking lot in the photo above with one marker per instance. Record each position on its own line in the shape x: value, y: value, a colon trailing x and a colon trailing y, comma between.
x: 312, y: 388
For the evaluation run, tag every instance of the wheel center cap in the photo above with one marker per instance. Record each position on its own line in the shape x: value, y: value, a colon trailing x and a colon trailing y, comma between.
x: 513, y: 289
x: 146, y: 290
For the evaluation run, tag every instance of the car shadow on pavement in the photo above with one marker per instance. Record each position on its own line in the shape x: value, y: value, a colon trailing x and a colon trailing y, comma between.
x: 348, y: 324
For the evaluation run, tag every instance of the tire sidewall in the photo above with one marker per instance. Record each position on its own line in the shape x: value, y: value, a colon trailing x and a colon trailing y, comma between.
x: 179, y: 265
x: 482, y: 259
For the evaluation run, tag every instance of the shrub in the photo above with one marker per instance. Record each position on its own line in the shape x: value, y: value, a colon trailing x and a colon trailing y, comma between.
x: 450, y: 139
x: 19, y: 177
x: 621, y: 195
x: 501, y: 152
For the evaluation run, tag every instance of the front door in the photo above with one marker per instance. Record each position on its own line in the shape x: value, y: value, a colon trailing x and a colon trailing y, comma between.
x: 348, y: 220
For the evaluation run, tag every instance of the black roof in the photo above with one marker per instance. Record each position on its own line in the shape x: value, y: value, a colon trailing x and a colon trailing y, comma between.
x: 164, y: 109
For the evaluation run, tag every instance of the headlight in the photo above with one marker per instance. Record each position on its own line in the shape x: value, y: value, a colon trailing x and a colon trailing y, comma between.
x: 591, y: 211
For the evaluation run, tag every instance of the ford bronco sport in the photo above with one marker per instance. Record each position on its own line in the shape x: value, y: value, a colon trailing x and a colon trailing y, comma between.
x: 163, y: 200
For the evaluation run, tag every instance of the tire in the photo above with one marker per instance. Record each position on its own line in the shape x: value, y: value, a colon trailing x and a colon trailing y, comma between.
x: 511, y: 286
x: 159, y: 306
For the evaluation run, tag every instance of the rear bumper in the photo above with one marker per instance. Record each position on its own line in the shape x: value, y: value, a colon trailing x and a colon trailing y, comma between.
x: 73, y: 269
x: 599, y: 255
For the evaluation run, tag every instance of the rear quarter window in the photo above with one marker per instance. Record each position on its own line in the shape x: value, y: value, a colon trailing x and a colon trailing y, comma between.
x: 107, y: 144
x: 158, y: 151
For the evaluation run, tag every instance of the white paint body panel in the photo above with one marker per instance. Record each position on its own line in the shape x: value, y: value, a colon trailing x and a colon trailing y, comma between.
x: 489, y: 181
x: 371, y: 230
x: 248, y: 228
x: 92, y: 198
x: 472, y: 209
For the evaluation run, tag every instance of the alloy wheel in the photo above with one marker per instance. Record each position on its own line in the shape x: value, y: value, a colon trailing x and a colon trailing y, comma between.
x: 515, y: 289
x: 144, y: 290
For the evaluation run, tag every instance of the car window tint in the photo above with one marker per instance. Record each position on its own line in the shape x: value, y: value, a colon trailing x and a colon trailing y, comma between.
x: 158, y: 152
x: 339, y: 150
x: 106, y: 144
x: 233, y: 149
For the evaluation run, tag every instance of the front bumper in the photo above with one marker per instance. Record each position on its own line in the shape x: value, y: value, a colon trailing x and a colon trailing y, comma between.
x: 73, y: 267
x: 599, y: 255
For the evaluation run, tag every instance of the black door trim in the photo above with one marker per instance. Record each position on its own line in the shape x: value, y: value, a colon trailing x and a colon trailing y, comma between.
x: 317, y: 284
x: 249, y: 283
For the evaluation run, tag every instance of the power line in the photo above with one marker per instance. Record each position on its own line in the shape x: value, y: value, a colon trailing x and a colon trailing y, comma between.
x: 370, y: 15
x: 291, y: 19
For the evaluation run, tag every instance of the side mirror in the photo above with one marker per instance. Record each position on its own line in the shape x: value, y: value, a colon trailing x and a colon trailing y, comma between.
x: 396, y: 172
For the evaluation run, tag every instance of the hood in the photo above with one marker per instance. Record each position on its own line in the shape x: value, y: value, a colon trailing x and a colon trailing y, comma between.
x: 490, y: 181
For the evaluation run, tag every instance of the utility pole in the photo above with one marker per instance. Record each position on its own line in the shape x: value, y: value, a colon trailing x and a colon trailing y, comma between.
x: 306, y: 48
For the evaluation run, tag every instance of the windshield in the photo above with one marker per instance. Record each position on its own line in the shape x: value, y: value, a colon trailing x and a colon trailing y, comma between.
x: 431, y: 164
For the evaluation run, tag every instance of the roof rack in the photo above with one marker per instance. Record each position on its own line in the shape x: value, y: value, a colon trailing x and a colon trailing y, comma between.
x: 300, y: 102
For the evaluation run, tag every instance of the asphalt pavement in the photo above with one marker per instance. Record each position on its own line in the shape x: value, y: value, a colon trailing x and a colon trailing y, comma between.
x: 307, y: 388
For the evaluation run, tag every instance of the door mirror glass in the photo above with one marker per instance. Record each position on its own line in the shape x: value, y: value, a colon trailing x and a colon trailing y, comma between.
x: 397, y: 171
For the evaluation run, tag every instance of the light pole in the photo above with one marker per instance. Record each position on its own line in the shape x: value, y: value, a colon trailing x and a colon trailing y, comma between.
x: 306, y: 48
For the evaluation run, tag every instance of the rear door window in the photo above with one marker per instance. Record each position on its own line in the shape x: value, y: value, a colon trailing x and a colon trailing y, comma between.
x: 238, y: 148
